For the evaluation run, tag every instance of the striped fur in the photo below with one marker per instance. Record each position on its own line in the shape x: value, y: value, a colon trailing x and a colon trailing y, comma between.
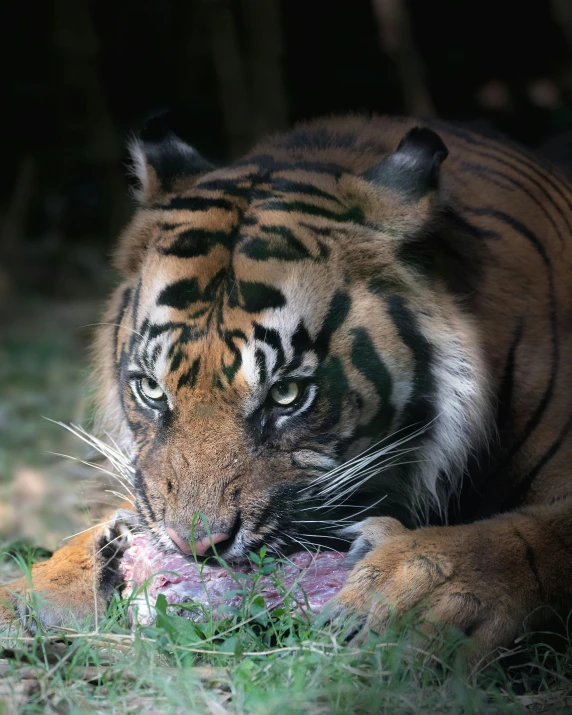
x: 415, y: 284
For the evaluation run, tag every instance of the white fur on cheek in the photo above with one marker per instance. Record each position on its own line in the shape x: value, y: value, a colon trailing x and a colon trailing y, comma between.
x: 463, y: 405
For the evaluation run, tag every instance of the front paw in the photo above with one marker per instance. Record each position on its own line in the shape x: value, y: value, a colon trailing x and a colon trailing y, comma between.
x: 72, y: 587
x: 432, y: 572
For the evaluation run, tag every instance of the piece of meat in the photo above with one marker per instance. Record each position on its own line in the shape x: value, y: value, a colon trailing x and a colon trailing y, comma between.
x: 310, y: 580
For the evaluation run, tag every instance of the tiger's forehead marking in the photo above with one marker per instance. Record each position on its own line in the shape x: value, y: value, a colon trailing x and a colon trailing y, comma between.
x: 239, y: 269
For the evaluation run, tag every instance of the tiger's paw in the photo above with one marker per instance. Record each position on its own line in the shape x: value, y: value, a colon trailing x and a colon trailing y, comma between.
x: 74, y: 585
x: 431, y: 572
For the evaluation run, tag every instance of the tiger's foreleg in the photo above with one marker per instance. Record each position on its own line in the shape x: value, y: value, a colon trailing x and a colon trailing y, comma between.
x: 491, y: 579
x: 75, y: 583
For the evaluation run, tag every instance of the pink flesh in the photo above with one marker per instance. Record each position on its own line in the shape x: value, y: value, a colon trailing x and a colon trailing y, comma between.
x: 318, y: 576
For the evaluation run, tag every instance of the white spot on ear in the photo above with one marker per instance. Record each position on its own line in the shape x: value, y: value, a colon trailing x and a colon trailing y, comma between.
x: 137, y: 168
x: 152, y: 163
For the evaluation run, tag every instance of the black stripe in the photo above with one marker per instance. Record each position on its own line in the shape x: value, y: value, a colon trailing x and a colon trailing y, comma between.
x: 318, y: 138
x: 197, y: 242
x: 338, y: 311
x: 229, y: 371
x: 367, y: 361
x: 353, y: 215
x: 109, y: 556
x: 284, y: 247
x: 155, y: 354
x: 189, y: 378
x: 301, y: 187
x: 260, y: 358
x: 469, y: 228
x: 271, y: 337
x: 258, y: 249
x: 183, y: 293
x: 301, y: 343
x: 531, y: 561
x: 269, y: 163
x: 525, y: 483
x: 334, y: 383
x: 141, y: 491
x: 177, y: 360
x: 543, y: 169
x: 231, y: 186
x: 487, y: 171
x: 506, y: 390
x: 195, y: 203
x: 536, y: 417
x: 319, y: 230
x: 491, y: 176
x: 153, y: 330
x: 256, y: 297
x: 420, y: 410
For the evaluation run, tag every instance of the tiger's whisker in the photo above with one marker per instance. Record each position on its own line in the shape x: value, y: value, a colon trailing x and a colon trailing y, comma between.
x: 365, y: 456
x: 98, y: 467
x: 89, y: 528
x: 354, y: 487
x: 114, y: 325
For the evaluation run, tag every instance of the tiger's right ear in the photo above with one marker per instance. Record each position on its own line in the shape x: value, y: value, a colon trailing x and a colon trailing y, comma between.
x: 164, y: 166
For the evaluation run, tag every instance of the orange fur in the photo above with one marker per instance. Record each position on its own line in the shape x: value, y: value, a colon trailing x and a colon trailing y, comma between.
x: 445, y: 301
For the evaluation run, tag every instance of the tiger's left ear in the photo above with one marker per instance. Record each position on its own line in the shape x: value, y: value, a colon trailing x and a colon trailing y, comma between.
x: 403, y: 194
x: 164, y: 165
x: 413, y: 168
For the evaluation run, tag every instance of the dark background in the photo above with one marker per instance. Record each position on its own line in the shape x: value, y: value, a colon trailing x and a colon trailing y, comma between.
x: 79, y: 75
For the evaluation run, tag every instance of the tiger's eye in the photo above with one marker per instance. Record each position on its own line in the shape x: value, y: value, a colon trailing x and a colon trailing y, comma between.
x: 151, y: 389
x: 285, y: 393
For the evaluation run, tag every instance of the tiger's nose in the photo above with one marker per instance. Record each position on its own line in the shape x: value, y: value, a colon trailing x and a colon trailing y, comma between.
x: 201, y: 545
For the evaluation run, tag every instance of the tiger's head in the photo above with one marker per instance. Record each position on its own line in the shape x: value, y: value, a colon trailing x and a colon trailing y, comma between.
x: 272, y: 359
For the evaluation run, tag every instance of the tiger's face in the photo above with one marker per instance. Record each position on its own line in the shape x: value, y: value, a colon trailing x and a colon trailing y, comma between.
x: 275, y: 365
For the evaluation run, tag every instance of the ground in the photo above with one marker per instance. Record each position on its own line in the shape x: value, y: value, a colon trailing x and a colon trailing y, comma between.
x: 252, y: 661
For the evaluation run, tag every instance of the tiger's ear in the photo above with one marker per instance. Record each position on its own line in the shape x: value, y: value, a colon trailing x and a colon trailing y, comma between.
x: 163, y: 165
x: 403, y: 196
x: 413, y: 168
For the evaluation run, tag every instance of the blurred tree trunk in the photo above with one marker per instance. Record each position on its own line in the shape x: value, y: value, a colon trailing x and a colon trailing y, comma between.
x: 249, y: 73
x: 188, y: 26
x: 397, y: 40
x: 83, y: 106
x: 264, y: 60
x: 13, y: 229
x: 231, y: 74
x: 562, y: 13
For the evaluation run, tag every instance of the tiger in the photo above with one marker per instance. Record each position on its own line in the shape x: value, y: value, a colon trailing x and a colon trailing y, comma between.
x: 361, y: 329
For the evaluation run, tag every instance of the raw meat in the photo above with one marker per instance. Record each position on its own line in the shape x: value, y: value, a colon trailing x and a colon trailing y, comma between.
x: 311, y: 580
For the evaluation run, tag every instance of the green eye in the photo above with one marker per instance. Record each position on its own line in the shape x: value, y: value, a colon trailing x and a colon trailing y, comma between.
x: 285, y: 393
x: 151, y: 390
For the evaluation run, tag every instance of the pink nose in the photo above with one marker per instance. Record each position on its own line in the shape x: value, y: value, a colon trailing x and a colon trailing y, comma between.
x: 201, y: 547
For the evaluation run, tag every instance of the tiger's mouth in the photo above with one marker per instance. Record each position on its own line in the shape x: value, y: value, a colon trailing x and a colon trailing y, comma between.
x: 238, y: 549
x: 308, y: 523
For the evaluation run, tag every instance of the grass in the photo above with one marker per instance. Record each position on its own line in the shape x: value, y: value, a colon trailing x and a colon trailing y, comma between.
x: 43, y: 374
x: 251, y: 661
x: 255, y: 661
